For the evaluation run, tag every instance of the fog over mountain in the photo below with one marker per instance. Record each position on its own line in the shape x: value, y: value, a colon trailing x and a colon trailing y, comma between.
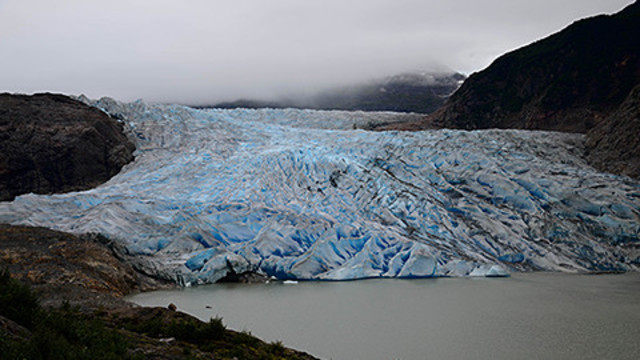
x: 211, y: 51
x: 410, y: 92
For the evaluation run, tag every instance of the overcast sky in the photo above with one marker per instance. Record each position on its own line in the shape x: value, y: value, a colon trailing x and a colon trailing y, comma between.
x: 195, y: 51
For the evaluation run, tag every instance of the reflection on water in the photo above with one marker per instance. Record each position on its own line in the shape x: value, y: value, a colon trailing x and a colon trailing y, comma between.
x: 527, y: 316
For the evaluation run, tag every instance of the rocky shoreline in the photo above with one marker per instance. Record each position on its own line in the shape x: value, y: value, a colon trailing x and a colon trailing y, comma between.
x: 84, y: 273
x: 50, y: 144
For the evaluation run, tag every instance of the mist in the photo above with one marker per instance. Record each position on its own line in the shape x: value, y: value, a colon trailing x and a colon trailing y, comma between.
x: 209, y: 51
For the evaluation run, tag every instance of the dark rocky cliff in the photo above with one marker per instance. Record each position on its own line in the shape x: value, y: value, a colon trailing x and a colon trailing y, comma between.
x: 575, y: 80
x: 52, y: 143
x: 614, y: 144
x: 568, y: 81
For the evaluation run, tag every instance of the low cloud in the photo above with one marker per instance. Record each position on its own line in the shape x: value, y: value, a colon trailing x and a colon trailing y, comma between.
x: 206, y: 51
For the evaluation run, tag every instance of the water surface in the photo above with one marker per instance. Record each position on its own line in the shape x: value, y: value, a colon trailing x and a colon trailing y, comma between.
x: 527, y: 316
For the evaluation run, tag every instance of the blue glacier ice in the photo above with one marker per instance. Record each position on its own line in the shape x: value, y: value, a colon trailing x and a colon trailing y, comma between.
x: 301, y: 194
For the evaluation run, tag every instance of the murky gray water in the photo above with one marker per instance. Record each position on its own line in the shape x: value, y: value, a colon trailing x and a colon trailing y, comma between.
x: 527, y: 316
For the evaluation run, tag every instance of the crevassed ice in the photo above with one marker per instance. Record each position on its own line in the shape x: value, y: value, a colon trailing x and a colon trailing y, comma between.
x: 299, y: 194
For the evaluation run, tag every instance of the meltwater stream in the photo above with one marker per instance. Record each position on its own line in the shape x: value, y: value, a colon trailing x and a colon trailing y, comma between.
x: 526, y: 316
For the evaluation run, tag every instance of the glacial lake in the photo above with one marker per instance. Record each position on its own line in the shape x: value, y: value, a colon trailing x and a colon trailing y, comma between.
x: 525, y: 316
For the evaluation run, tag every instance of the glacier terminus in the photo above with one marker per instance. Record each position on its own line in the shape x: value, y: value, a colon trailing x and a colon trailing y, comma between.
x: 302, y: 194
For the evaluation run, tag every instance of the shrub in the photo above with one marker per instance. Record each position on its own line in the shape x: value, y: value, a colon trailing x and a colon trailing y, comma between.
x: 189, y: 330
x: 17, y: 301
x: 55, y: 333
x: 276, y: 348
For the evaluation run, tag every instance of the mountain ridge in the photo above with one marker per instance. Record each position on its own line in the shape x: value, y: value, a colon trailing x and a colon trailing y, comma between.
x: 572, y: 81
x: 586, y: 69
x: 407, y: 92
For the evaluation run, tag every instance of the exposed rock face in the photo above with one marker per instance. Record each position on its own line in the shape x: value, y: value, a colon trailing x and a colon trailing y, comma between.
x: 66, y: 267
x: 82, y: 271
x: 52, y: 143
x: 574, y: 81
x: 567, y: 81
x: 613, y: 145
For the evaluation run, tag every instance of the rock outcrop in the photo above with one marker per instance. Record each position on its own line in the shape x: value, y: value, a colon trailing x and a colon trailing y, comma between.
x: 84, y: 272
x: 573, y: 81
x: 613, y: 145
x: 568, y: 81
x: 64, y: 267
x: 52, y: 143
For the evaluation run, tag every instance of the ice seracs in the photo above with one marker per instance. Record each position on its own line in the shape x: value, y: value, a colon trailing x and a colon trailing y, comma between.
x: 299, y: 194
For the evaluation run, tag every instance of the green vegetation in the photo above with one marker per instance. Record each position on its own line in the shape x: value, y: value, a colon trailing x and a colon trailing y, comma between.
x: 211, y: 337
x: 187, y: 329
x: 54, y: 333
x: 30, y: 331
x: 17, y: 301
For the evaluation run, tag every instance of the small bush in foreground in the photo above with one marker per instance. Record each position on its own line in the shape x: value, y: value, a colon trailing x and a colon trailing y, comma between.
x: 189, y: 330
x: 55, y: 333
x: 17, y: 301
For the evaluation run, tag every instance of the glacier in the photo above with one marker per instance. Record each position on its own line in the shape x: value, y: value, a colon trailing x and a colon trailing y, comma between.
x: 306, y: 195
